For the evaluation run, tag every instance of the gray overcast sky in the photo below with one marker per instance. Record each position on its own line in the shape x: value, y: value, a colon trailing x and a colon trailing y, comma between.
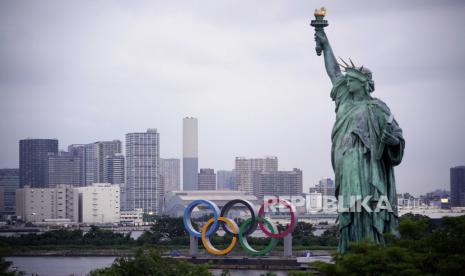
x: 83, y: 71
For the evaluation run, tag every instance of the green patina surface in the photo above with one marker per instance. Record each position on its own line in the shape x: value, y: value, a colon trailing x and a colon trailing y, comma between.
x: 367, y: 143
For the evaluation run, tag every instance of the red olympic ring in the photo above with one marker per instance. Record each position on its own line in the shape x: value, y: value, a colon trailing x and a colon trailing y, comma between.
x: 278, y: 201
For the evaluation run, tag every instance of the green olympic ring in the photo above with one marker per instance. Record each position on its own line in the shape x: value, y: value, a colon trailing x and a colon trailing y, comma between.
x: 245, y: 244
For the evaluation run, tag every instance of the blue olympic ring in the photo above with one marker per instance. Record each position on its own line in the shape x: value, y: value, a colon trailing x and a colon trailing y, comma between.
x: 187, y: 217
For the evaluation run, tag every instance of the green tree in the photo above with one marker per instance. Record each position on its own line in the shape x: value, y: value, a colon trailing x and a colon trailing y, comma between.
x: 420, y: 250
x: 5, y: 268
x: 166, y: 230
x: 329, y: 237
x: 303, y: 229
x: 366, y: 258
x: 151, y: 263
x: 95, y: 237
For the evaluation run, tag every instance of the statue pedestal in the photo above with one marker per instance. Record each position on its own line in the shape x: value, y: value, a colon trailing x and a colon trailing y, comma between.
x: 194, y: 246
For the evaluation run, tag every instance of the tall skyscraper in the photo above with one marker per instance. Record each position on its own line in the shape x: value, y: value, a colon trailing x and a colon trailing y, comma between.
x: 457, y: 186
x: 90, y: 164
x: 33, y: 161
x: 325, y: 187
x: 190, y: 161
x: 102, y: 150
x: 64, y: 169
x: 93, y: 159
x: 245, y: 169
x: 170, y: 174
x: 9, y: 182
x: 207, y: 179
x: 225, y: 180
x: 114, y: 169
x: 79, y: 150
x: 142, y: 171
x: 277, y: 183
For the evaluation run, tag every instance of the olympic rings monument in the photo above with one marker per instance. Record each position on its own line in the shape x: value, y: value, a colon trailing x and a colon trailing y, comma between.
x: 239, y: 232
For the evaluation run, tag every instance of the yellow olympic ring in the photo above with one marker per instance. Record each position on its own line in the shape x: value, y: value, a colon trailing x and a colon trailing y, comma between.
x: 206, y: 240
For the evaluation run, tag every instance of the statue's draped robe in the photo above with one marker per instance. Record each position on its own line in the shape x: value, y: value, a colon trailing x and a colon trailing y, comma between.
x: 363, y: 165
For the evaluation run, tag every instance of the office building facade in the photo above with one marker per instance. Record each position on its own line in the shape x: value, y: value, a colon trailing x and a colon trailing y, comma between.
x: 94, y: 158
x: 79, y: 150
x: 170, y: 171
x: 114, y: 169
x: 33, y: 161
x: 9, y: 182
x: 245, y: 169
x: 103, y: 150
x: 64, y: 169
x: 277, y: 183
x: 226, y: 180
x: 207, y: 179
x: 143, y: 189
x: 457, y: 186
x: 325, y: 187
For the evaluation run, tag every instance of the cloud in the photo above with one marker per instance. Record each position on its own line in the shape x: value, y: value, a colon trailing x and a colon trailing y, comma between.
x: 86, y: 71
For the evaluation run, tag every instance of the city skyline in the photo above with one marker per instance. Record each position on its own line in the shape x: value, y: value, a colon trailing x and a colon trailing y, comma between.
x: 306, y: 186
x: 250, y: 76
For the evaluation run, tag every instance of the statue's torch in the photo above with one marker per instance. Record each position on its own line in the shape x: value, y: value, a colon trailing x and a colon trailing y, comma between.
x: 319, y: 23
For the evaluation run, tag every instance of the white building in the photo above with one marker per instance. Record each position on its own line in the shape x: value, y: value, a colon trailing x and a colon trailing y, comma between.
x: 314, y: 202
x: 133, y: 217
x: 99, y: 203
x: 143, y: 189
x: 41, y: 204
x: 177, y: 201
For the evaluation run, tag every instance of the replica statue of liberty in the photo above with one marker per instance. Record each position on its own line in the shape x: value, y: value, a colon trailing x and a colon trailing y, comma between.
x: 367, y: 143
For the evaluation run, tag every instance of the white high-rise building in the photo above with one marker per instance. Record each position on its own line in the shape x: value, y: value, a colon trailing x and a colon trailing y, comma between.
x: 143, y: 189
x: 246, y: 167
x: 190, y: 161
x: 99, y: 203
x: 170, y: 174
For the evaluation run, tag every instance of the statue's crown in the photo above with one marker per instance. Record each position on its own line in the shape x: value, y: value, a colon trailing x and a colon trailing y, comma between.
x: 361, y: 73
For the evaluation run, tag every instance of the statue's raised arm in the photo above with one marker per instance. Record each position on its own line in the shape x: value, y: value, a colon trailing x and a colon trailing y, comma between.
x: 322, y: 44
x: 332, y: 67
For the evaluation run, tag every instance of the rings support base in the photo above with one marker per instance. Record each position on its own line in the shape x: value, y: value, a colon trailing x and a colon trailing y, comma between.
x: 288, y: 245
x: 194, y: 246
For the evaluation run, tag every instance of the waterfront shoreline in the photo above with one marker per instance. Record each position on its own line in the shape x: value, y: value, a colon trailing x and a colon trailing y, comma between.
x: 238, y: 263
x: 131, y: 252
